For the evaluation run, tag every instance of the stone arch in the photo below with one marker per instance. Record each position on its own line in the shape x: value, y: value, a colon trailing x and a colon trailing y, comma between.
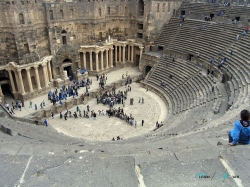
x: 61, y: 14
x: 5, y: 83
x: 140, y: 8
x: 21, y: 18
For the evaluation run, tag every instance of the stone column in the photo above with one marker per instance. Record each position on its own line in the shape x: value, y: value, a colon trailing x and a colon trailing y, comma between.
x: 1, y: 92
x: 49, y: 69
x: 96, y: 61
x: 90, y: 58
x: 132, y: 54
x: 141, y: 48
x: 111, y: 57
x: 12, y: 82
x: 84, y: 60
x: 123, y: 56
x: 45, y: 75
x: 120, y: 53
x: 107, y: 58
x: 20, y: 81
x: 102, y: 60
x: 128, y: 52
x: 115, y: 53
x: 29, y: 80
x: 37, y: 78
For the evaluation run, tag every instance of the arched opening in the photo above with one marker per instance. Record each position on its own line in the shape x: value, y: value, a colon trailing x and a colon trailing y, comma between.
x: 51, y: 16
x: 61, y: 14
x: 21, y: 19
x: 67, y: 63
x: 140, y: 8
x: 5, y: 86
x: 100, y: 12
x: 147, y: 69
x: 64, y: 37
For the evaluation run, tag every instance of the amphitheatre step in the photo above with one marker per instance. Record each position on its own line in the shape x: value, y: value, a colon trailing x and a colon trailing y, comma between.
x: 59, y: 170
x: 181, y: 173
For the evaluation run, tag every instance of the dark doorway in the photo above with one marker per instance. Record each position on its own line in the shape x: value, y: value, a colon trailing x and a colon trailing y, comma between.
x: 137, y: 60
x: 211, y: 16
x: 140, y: 8
x: 183, y: 12
x: 189, y: 57
x: 6, y: 90
x: 64, y: 40
x: 150, y: 48
x: 147, y: 69
x: 160, y: 48
x: 69, y: 71
x: 174, y: 13
x: 100, y: 35
x: 237, y: 18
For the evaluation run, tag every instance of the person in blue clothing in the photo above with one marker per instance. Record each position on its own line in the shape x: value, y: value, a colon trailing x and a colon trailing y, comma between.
x: 241, y: 132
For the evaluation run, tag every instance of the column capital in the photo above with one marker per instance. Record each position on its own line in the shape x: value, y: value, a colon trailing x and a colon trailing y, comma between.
x: 36, y: 66
x: 28, y: 68
x: 96, y: 52
x: 141, y: 47
x: 19, y: 70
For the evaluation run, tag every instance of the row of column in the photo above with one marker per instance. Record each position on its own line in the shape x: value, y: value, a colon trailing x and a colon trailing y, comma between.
x: 109, y: 59
x: 46, y: 68
x: 122, y: 49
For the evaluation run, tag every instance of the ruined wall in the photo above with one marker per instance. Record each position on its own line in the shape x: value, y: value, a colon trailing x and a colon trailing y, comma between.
x: 159, y: 14
x: 30, y: 30
x: 27, y: 38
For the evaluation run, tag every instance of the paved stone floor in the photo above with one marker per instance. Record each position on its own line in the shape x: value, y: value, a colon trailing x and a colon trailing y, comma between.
x: 112, y: 77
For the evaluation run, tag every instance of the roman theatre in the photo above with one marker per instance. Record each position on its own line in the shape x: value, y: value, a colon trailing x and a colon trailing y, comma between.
x: 180, y: 73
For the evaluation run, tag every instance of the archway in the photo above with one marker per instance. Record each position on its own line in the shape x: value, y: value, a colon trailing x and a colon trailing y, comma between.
x: 140, y: 8
x: 147, y: 69
x: 67, y: 63
x: 5, y: 86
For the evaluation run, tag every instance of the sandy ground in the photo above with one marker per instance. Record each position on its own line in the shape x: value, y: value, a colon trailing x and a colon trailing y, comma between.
x: 104, y: 128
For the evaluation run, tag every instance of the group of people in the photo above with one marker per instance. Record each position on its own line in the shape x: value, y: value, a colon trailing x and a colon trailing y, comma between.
x: 14, y: 106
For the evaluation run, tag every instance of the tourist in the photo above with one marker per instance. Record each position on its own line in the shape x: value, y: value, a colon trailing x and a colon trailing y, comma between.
x: 35, y: 107
x: 88, y: 108
x: 94, y: 115
x: 142, y: 100
x: 237, y: 37
x: 142, y: 122
x: 135, y: 123
x: 241, y: 132
x: 113, y: 139
x: 212, y: 88
x: 157, y: 124
x: 20, y: 107
x: 65, y: 116
x: 52, y: 115
x: 30, y: 104
x: 7, y: 106
x: 139, y: 100
x: 46, y: 123
x: 61, y: 116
